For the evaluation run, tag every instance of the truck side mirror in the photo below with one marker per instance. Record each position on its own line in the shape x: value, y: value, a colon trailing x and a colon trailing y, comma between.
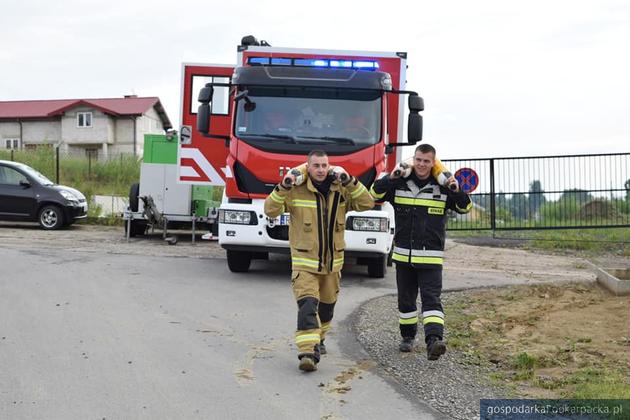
x: 414, y: 127
x: 414, y: 123
x: 416, y: 103
x: 203, y: 112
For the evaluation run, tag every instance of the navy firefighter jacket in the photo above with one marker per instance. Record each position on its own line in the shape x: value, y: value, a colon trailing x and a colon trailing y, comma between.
x: 420, y: 210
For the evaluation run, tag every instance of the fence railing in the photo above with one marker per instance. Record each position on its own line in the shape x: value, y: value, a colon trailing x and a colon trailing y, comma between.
x: 514, y: 193
x: 547, y: 192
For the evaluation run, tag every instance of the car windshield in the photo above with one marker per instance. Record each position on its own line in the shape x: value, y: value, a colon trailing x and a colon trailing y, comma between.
x: 310, y: 116
x: 34, y: 174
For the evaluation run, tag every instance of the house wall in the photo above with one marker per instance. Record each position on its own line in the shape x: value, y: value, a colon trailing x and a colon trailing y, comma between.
x: 148, y: 123
x: 109, y: 135
x: 124, y: 127
x: 33, y: 132
x: 97, y: 134
x: 9, y: 130
x: 41, y: 132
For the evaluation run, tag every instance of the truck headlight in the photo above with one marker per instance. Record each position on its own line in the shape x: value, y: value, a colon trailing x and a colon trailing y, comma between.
x: 369, y: 224
x: 237, y: 217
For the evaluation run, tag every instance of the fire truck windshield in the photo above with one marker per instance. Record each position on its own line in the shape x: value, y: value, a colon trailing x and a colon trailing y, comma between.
x: 310, y: 116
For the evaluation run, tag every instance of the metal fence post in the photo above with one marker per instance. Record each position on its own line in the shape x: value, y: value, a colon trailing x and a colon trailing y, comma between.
x: 493, y: 208
x: 57, y: 164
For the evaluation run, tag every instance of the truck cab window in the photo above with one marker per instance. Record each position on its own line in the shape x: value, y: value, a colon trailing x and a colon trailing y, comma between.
x: 305, y: 115
x: 220, y: 98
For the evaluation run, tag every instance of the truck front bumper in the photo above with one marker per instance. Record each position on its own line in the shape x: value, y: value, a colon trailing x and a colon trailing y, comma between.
x: 268, y: 236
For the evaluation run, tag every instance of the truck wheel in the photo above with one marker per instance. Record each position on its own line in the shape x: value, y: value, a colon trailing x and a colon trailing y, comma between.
x: 239, y: 261
x: 377, y: 267
x: 50, y: 217
x: 134, y: 191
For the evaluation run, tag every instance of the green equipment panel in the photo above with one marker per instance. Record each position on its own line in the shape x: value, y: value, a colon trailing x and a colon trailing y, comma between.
x: 158, y: 149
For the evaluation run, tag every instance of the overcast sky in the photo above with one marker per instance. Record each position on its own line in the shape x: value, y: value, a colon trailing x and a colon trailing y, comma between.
x: 499, y: 78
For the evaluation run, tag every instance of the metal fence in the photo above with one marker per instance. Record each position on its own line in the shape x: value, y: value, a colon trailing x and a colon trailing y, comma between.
x: 547, y: 192
x: 541, y: 192
x: 82, y: 169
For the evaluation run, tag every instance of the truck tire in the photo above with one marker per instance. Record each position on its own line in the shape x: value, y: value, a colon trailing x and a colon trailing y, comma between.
x: 134, y: 191
x: 239, y: 261
x: 377, y: 267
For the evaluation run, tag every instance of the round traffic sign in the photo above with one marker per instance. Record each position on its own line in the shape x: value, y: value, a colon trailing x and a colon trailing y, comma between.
x: 468, y: 179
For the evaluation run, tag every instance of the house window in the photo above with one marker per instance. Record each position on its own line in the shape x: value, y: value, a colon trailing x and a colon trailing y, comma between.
x: 220, y: 97
x: 84, y: 119
x: 12, y: 143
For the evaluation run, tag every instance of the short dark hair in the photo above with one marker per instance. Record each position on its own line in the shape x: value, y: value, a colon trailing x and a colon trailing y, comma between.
x: 425, y: 148
x: 318, y: 153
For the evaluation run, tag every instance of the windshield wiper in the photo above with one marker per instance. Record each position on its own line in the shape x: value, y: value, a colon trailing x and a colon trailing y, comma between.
x: 329, y: 139
x: 272, y: 136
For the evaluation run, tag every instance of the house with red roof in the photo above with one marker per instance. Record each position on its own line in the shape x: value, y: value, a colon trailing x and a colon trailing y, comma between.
x: 100, y: 127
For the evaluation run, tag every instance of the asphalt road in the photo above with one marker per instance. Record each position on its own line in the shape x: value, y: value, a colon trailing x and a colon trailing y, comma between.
x: 90, y: 335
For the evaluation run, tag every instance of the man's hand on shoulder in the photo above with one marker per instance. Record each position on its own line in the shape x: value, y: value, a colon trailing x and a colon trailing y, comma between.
x: 341, y: 175
x: 294, y: 177
x: 403, y: 170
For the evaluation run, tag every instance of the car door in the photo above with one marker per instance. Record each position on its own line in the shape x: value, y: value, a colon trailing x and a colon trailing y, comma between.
x: 17, y: 200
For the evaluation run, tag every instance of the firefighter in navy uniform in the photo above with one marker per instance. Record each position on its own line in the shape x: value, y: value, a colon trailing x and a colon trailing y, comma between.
x: 317, y: 201
x: 420, y: 205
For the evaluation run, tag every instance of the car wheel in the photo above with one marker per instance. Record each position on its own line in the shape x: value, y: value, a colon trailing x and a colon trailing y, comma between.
x: 377, y: 267
x: 134, y: 191
x: 239, y: 261
x: 50, y: 217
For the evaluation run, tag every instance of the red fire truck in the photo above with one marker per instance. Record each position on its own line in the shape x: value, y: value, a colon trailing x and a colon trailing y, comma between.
x: 245, y: 125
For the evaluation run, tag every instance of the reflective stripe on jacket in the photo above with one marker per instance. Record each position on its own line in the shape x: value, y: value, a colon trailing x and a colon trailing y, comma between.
x: 317, y: 223
x: 420, y: 209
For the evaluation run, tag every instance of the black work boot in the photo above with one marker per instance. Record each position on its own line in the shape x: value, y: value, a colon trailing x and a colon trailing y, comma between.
x: 406, y: 345
x: 435, y: 348
x: 322, y: 347
x: 308, y: 362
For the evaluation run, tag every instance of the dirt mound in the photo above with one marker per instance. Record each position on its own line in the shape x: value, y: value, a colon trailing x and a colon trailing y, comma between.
x: 597, y: 209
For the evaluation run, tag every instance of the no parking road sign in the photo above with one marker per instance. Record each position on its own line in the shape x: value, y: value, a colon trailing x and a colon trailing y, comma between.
x: 468, y: 179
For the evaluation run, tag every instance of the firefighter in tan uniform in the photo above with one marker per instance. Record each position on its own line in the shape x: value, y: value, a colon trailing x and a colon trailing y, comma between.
x: 317, y: 202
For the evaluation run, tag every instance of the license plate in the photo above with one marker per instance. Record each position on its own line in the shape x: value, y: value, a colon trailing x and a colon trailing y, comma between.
x: 284, y: 219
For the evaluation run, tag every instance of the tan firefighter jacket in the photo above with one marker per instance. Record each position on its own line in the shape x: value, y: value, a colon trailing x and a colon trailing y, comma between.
x: 317, y: 223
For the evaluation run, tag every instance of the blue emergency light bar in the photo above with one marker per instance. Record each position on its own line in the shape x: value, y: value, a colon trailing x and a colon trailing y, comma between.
x: 313, y: 62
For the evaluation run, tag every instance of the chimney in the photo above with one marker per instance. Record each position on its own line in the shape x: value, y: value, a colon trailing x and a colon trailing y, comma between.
x: 131, y: 96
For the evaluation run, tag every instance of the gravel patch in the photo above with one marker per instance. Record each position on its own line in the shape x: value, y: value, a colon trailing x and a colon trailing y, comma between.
x: 450, y: 385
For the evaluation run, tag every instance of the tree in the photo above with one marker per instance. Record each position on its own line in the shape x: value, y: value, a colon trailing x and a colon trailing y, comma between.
x: 536, y: 196
x: 576, y: 196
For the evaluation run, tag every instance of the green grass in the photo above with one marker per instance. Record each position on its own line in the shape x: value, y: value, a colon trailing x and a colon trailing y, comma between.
x: 593, y: 240
x: 598, y: 383
x: 111, y: 177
